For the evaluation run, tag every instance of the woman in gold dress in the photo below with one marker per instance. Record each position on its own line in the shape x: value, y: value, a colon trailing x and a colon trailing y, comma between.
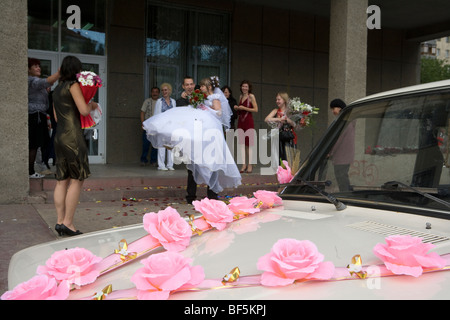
x: 72, y: 165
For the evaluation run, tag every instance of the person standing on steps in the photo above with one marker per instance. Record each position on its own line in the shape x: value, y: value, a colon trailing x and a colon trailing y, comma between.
x: 72, y: 163
x: 162, y: 105
x: 146, y: 112
x: 246, y: 136
x: 278, y: 117
x: 343, y: 153
x: 38, y: 106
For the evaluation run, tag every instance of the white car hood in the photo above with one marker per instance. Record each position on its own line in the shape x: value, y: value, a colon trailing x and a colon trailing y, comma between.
x: 338, y: 235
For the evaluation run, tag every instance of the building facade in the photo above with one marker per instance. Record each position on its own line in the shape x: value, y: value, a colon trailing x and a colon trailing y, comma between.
x: 316, y: 54
x: 443, y: 49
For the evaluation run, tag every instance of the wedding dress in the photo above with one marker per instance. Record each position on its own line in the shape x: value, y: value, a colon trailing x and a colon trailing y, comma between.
x: 197, y: 138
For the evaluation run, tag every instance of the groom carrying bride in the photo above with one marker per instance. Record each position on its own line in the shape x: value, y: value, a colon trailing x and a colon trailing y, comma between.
x: 197, y: 131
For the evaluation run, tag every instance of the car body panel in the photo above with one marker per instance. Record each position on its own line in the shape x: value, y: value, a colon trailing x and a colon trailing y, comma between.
x: 244, y: 241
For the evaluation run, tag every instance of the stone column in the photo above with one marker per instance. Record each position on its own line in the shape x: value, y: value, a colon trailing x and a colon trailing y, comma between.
x: 348, y: 51
x: 14, y: 186
x: 126, y: 64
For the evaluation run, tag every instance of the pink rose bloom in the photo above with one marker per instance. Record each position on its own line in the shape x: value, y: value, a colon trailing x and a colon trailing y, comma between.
x: 215, y: 212
x: 164, y: 273
x: 284, y: 175
x: 77, y: 266
x: 291, y: 260
x: 39, y: 287
x: 171, y: 230
x: 243, y: 205
x: 268, y: 198
x: 407, y: 255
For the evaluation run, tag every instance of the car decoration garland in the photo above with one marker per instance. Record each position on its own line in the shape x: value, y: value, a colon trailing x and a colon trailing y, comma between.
x: 290, y: 260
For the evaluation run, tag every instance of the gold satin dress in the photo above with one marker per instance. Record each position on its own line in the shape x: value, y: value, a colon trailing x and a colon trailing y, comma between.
x: 70, y: 147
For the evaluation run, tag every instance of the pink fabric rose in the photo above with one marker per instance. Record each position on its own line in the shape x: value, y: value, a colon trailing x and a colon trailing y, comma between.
x: 77, y: 266
x: 268, y: 198
x: 284, y: 175
x: 291, y: 260
x: 171, y: 230
x: 164, y: 273
x: 215, y: 212
x: 39, y: 287
x: 404, y: 254
x: 243, y: 205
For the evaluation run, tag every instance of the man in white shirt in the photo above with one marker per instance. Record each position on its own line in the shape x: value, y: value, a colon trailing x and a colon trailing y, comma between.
x: 146, y: 112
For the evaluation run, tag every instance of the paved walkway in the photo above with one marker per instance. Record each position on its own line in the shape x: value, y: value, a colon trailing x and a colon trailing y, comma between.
x: 114, y: 196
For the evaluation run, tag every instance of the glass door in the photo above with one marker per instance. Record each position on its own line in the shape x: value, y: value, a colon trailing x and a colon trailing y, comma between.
x: 95, y: 137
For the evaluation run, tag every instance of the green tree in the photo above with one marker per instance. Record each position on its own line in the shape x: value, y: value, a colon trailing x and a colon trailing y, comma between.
x: 434, y: 70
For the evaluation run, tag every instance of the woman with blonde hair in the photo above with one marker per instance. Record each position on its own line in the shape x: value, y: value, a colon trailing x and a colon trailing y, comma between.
x: 278, y: 118
x: 162, y: 105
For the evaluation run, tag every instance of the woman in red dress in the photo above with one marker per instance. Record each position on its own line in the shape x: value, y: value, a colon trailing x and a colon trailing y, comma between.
x: 247, y: 106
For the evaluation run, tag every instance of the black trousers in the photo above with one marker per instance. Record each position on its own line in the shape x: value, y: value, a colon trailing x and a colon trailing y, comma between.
x: 192, y: 189
x: 341, y: 173
x: 37, y: 137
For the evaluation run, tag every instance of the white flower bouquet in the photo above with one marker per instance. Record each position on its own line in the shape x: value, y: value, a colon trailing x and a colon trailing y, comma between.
x: 301, y: 112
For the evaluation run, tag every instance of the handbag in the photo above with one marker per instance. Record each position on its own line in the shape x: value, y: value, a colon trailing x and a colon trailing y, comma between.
x: 286, y: 133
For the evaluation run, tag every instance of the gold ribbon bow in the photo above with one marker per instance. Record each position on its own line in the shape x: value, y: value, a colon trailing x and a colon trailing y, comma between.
x: 259, y: 204
x: 232, y: 276
x: 123, y: 251
x: 244, y: 214
x: 240, y: 214
x: 356, y: 267
x: 102, y: 294
x: 193, y: 226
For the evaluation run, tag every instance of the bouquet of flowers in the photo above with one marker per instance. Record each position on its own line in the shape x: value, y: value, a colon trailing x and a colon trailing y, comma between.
x: 301, y: 112
x: 197, y: 98
x: 89, y: 84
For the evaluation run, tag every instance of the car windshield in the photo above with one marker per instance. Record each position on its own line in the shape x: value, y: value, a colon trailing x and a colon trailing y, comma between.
x: 393, y: 151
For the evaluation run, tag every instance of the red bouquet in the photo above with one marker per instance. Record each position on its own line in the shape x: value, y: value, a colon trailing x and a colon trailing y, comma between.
x: 89, y: 84
x: 197, y: 98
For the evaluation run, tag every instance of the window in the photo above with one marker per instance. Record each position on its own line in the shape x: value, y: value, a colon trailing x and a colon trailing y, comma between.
x: 90, y: 39
x: 403, y: 139
x: 43, y: 25
x: 44, y: 17
x: 380, y: 143
x: 184, y: 42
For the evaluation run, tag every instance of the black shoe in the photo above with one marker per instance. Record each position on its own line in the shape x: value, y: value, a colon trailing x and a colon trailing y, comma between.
x: 189, y: 199
x: 58, y: 229
x: 211, y: 194
x: 69, y: 232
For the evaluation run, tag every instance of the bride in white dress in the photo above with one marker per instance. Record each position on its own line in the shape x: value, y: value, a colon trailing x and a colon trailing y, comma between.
x: 197, y: 138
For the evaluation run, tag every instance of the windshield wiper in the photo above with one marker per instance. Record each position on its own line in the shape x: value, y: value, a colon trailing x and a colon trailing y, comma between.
x: 339, y: 205
x: 395, y: 185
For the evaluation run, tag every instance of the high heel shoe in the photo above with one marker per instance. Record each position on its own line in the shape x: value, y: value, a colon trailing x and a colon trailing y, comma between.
x: 58, y: 229
x: 70, y: 232
x: 243, y: 170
